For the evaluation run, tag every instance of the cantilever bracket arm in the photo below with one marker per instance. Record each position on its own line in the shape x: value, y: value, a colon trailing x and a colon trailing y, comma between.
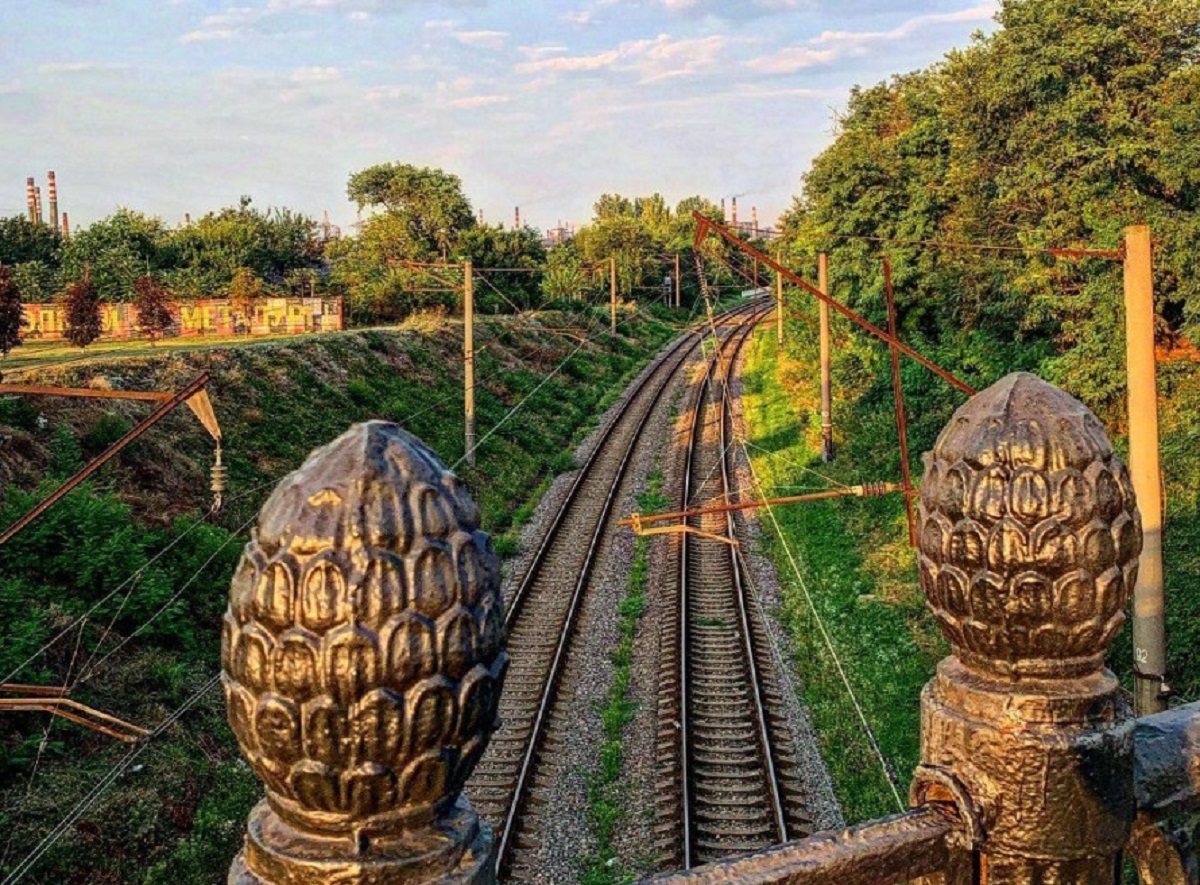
x: 54, y: 700
x: 704, y: 224
x: 866, y: 490
x: 194, y: 394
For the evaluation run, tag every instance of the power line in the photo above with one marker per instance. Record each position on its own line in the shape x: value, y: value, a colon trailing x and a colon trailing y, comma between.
x: 93, y: 796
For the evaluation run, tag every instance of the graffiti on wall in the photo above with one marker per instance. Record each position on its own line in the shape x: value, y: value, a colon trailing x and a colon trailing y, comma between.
x: 208, y: 316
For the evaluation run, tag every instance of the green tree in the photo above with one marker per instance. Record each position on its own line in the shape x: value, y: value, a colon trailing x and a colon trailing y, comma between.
x: 116, y: 251
x: 566, y: 276
x: 204, y: 257
x: 245, y: 289
x: 82, y: 303
x: 153, y: 307
x: 22, y: 240
x: 12, y: 316
x: 425, y: 209
x: 520, y: 252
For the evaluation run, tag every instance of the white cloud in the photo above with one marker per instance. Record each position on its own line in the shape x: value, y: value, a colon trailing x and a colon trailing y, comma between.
x: 479, y: 101
x: 234, y: 22
x: 658, y: 59
x: 315, y: 75
x: 830, y: 46
x: 486, y: 39
x: 81, y: 67
x: 581, y: 18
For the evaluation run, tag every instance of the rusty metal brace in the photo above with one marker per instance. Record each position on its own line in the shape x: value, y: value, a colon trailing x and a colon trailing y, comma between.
x: 54, y: 700
x: 635, y: 520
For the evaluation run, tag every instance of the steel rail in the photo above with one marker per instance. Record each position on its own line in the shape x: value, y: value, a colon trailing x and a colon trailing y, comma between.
x: 581, y: 476
x: 672, y: 359
x: 771, y: 782
x: 760, y: 716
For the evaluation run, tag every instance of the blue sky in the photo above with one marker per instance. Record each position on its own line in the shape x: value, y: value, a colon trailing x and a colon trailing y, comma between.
x: 177, y: 106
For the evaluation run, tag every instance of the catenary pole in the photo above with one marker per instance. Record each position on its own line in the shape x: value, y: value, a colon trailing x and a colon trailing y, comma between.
x: 1149, y: 631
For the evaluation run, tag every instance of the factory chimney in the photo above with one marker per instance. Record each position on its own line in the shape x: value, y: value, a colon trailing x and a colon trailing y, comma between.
x: 724, y: 215
x: 735, y: 212
x: 37, y: 202
x: 52, y: 187
x: 754, y: 218
x: 66, y: 231
x: 31, y: 200
x: 187, y: 219
x: 517, y: 218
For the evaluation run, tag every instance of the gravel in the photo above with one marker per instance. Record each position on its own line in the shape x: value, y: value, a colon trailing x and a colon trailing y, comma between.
x: 824, y: 807
x: 564, y: 834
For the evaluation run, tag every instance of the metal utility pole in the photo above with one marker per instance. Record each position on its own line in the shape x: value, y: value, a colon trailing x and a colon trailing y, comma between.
x: 678, y: 282
x: 1149, y: 631
x: 898, y: 390
x: 779, y: 306
x: 469, y: 358
x: 612, y: 295
x: 826, y: 370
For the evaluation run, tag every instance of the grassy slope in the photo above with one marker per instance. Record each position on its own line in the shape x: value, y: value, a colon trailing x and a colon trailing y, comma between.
x: 179, y: 818
x: 853, y: 557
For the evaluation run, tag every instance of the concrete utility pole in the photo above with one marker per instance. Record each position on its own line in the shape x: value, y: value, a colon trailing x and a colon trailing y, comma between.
x: 826, y: 379
x: 469, y: 357
x: 612, y: 295
x: 678, y: 282
x: 1149, y: 631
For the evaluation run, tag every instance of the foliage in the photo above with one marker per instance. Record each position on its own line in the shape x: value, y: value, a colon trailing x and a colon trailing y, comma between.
x: 494, y: 246
x: 22, y: 240
x: 425, y: 208
x: 82, y: 321
x: 244, y: 290
x: 152, y: 306
x: 12, y: 317
x: 114, y: 252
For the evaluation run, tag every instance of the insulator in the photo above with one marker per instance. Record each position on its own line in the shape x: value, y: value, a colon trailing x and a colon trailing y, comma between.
x: 220, y: 474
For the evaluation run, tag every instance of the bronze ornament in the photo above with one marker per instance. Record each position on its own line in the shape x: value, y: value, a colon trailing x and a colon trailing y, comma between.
x: 363, y: 658
x: 1029, y: 541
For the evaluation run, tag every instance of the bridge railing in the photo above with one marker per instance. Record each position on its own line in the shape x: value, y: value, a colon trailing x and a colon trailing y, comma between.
x: 363, y: 660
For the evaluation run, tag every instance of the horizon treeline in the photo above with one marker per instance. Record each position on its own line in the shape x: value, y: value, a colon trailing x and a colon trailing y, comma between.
x: 413, y: 216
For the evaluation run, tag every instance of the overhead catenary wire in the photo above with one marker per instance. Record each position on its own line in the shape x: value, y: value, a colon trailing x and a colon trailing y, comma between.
x: 822, y: 629
x: 93, y: 796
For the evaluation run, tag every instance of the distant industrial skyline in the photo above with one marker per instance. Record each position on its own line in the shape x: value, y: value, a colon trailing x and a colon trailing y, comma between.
x: 181, y: 106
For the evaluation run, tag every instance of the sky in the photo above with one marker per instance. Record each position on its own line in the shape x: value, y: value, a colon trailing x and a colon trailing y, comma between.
x: 182, y: 106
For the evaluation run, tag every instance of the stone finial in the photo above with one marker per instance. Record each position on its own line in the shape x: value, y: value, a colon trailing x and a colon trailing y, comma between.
x: 363, y: 656
x: 1029, y: 533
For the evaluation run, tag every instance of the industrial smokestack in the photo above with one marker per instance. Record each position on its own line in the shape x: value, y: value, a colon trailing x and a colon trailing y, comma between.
x: 517, y: 218
x: 187, y: 219
x: 37, y: 198
x: 754, y: 218
x: 31, y: 200
x: 724, y: 214
x: 52, y: 188
x: 735, y: 211
x: 66, y: 230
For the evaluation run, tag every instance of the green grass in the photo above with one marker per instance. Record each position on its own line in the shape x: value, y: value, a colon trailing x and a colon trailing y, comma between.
x: 181, y: 817
x: 606, y: 803
x: 871, y: 607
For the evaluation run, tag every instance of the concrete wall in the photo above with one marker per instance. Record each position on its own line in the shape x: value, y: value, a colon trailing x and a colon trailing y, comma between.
x: 208, y: 316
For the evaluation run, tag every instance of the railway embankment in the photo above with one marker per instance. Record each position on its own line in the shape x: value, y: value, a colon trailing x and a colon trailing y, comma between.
x: 860, y: 635
x: 132, y: 551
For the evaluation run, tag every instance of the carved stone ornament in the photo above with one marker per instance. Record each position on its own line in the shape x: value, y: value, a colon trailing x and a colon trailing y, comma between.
x: 1029, y: 539
x: 363, y: 657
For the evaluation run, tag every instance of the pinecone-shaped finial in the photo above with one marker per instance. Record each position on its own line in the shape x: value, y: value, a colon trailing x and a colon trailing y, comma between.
x: 363, y: 659
x: 1029, y: 533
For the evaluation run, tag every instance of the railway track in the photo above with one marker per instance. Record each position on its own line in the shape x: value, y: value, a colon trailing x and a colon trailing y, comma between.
x: 541, y: 621
x: 728, y: 779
